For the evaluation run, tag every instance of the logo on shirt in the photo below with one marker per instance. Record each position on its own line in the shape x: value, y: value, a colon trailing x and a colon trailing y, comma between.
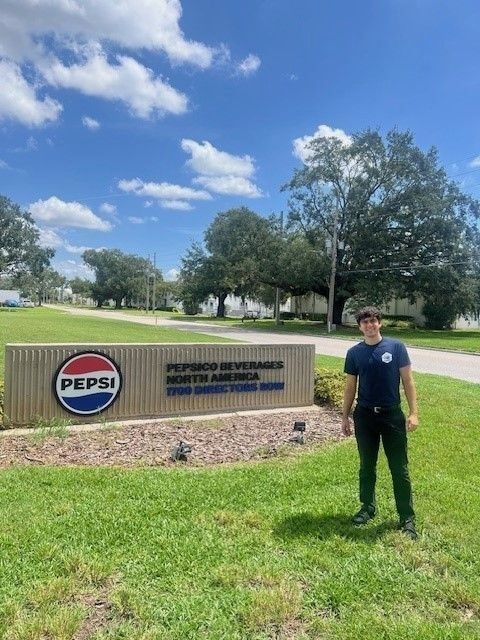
x: 387, y: 357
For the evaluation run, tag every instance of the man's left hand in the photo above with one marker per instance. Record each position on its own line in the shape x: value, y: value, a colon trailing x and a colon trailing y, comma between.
x: 412, y: 422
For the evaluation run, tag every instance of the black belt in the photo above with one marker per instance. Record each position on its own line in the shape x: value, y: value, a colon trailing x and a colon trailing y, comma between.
x: 380, y: 410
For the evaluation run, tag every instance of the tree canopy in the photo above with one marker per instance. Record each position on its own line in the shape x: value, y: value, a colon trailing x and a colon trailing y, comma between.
x: 236, y: 243
x: 118, y: 276
x: 20, y: 250
x: 396, y: 215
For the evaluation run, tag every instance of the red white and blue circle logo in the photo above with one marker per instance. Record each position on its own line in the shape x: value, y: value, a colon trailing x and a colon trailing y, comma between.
x: 87, y: 383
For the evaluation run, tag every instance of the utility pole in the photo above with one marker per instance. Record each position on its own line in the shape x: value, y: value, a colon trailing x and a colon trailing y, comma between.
x: 154, y: 283
x: 147, y: 304
x: 277, y: 290
x: 333, y: 271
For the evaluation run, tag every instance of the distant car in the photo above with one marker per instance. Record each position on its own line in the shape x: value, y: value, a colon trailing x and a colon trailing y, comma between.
x: 27, y: 303
x: 11, y: 303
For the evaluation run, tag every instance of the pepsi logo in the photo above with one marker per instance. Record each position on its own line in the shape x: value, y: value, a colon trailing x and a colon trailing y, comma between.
x: 87, y: 383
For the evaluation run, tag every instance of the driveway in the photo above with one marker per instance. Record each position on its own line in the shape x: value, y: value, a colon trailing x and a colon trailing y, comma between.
x: 444, y: 363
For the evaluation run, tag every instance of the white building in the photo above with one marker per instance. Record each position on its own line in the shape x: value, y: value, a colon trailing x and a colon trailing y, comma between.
x: 235, y: 306
x: 316, y: 304
x: 9, y: 294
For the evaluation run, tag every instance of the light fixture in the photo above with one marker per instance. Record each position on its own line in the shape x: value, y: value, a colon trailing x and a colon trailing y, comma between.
x: 179, y: 453
x: 299, y: 427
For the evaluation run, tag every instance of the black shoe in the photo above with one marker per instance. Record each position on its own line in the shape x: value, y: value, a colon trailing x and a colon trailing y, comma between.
x: 362, y: 517
x: 408, y: 528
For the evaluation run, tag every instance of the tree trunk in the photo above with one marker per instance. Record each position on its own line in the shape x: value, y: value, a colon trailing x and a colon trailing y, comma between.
x: 338, y: 305
x: 118, y: 303
x: 221, y: 305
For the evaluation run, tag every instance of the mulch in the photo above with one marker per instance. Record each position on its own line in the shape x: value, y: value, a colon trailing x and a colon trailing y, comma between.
x: 213, y: 440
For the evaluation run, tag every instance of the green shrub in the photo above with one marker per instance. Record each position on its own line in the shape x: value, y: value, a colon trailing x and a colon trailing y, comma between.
x: 438, y: 315
x: 191, y: 308
x: 328, y: 387
x: 287, y: 315
x: 314, y: 317
x: 401, y: 322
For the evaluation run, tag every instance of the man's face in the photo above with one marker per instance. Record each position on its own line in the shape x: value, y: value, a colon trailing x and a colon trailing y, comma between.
x: 370, y: 327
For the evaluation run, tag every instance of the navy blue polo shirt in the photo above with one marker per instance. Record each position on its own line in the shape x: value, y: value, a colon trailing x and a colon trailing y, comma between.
x: 378, y: 369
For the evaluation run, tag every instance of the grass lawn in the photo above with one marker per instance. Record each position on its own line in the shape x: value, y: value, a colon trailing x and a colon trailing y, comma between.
x: 456, y: 339
x: 49, y: 325
x: 250, y: 551
x: 132, y: 312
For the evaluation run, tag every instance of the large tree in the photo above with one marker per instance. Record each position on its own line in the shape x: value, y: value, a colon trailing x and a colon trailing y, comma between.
x: 41, y: 281
x: 81, y: 287
x: 392, y: 210
x: 118, y: 276
x: 236, y: 244
x: 19, y: 241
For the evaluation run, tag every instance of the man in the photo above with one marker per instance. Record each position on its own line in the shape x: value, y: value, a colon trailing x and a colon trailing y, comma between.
x: 378, y: 364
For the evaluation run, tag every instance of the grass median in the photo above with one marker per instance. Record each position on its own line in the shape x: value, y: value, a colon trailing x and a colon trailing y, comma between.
x: 455, y: 339
x: 50, y: 325
x: 251, y: 551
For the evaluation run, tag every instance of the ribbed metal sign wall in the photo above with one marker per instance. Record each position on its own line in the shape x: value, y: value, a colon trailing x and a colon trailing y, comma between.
x: 123, y: 381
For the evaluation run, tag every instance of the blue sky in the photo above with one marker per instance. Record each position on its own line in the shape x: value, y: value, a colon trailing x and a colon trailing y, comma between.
x: 130, y: 125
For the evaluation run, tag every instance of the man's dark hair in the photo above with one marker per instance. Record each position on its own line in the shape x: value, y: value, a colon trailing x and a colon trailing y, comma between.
x: 368, y: 312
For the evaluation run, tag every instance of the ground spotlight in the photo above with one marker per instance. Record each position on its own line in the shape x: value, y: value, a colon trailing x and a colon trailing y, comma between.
x: 299, y: 427
x: 179, y: 453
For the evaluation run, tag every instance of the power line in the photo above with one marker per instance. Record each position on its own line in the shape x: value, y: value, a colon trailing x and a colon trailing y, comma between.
x: 411, y: 267
x: 464, y: 173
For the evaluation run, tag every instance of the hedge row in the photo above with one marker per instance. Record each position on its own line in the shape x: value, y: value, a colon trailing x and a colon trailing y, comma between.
x: 328, y: 387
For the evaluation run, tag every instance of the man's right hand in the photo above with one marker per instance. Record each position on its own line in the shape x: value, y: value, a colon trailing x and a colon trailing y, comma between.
x: 346, y: 426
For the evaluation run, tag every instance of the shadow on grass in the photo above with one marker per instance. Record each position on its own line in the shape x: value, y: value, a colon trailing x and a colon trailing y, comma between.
x: 304, y: 525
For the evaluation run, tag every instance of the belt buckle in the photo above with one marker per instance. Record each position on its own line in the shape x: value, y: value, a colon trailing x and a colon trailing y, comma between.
x: 377, y: 409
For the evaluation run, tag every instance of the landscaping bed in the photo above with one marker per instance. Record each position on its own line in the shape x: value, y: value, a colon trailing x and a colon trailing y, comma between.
x: 217, y: 440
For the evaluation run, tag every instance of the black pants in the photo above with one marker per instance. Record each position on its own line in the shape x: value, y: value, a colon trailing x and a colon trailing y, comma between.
x: 390, y: 427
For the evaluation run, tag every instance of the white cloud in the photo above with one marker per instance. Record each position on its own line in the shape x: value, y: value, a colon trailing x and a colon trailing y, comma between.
x: 300, y: 145
x: 148, y: 203
x: 78, y: 250
x: 3, y: 164
x: 90, y: 123
x: 58, y: 213
x: 50, y: 238
x: 179, y: 205
x: 209, y: 161
x: 137, y: 220
x: 221, y: 172
x: 249, y: 65
x: 162, y: 190
x: 109, y: 209
x: 128, y: 81
x: 71, y: 269
x: 131, y: 24
x: 229, y: 185
x: 30, y: 145
x: 44, y: 34
x: 475, y: 163
x: 172, y: 274
x: 19, y: 100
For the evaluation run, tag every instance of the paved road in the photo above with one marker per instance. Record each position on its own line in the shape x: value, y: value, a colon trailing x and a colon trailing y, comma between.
x: 445, y: 363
